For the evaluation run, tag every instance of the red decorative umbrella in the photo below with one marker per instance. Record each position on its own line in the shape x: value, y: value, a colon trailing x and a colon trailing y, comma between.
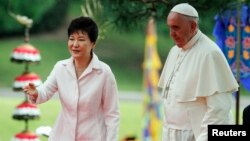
x: 25, y: 79
x: 25, y: 53
x: 26, y: 111
x: 26, y: 136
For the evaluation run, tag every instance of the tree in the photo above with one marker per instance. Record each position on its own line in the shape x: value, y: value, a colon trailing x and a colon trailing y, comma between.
x: 131, y: 14
x: 47, y: 15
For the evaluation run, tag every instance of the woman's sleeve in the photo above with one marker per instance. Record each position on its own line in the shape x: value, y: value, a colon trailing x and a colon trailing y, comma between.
x: 48, y: 88
x: 111, y: 108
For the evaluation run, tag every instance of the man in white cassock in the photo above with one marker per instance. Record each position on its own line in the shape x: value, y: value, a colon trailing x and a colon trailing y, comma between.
x: 197, y: 82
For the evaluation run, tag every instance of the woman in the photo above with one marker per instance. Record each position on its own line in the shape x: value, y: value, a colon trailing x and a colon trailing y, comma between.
x: 87, y: 90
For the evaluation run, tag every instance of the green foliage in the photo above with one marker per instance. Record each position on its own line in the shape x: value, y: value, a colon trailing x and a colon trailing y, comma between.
x: 54, y: 17
x: 94, y: 9
x: 46, y: 14
x: 129, y: 15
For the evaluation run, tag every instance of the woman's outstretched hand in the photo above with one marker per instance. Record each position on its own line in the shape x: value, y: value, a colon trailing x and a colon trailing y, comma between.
x: 31, y: 91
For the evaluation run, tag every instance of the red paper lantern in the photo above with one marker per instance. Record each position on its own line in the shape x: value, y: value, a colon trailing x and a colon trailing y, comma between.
x: 25, y: 79
x: 25, y: 53
x: 26, y: 136
x: 26, y: 111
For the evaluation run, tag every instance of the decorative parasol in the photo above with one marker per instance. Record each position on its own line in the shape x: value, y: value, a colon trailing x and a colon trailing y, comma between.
x: 25, y: 79
x: 26, y: 111
x: 25, y: 53
x: 26, y: 136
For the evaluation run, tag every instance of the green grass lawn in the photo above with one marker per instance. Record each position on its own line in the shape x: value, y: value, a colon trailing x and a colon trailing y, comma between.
x: 131, y: 118
x: 123, y: 52
x: 131, y: 122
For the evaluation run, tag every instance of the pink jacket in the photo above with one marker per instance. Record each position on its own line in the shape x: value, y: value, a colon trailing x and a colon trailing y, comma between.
x: 90, y: 109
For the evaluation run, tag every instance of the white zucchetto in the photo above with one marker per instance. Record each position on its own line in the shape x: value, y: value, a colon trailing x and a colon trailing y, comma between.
x: 185, y: 9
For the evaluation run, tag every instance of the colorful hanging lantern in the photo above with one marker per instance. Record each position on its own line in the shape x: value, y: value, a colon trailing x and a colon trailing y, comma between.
x: 25, y: 53
x: 26, y: 111
x: 26, y: 136
x: 25, y: 79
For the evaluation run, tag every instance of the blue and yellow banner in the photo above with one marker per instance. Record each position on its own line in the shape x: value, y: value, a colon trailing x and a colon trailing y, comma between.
x: 225, y: 31
x: 151, y: 101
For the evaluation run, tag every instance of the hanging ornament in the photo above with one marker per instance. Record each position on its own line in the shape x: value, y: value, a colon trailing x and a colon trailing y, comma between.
x: 26, y: 111
x: 25, y: 53
x: 26, y: 136
x: 25, y: 79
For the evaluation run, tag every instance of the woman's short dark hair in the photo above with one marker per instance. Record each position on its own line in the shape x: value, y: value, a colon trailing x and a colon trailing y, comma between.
x: 84, y: 24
